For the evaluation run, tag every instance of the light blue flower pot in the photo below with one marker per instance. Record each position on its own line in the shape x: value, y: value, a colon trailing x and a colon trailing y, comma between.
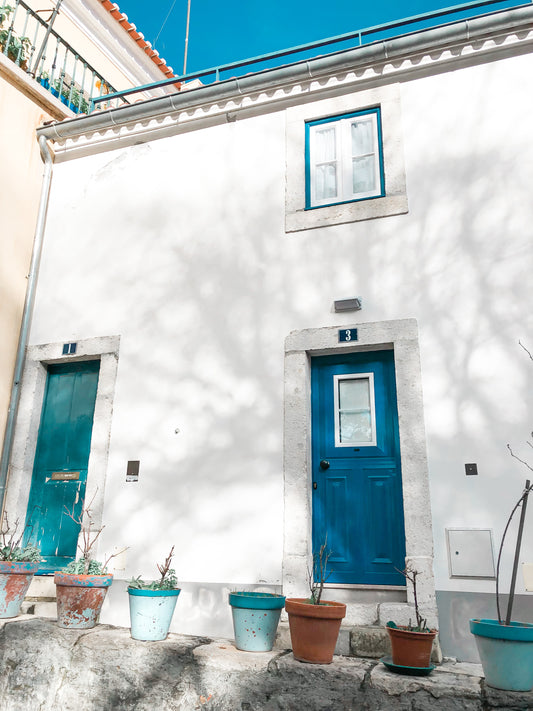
x: 255, y: 619
x: 151, y: 613
x: 506, y: 653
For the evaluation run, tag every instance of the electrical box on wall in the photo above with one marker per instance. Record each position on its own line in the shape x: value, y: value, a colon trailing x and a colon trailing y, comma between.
x: 470, y: 553
x: 132, y: 470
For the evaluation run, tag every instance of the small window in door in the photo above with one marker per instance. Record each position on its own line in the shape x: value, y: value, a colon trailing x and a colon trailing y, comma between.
x: 355, y: 414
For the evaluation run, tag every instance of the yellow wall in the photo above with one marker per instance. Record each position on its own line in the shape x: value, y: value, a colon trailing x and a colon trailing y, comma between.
x: 20, y: 185
x: 22, y: 110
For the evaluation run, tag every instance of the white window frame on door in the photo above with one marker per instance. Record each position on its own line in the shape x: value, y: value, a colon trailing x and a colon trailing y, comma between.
x: 336, y: 408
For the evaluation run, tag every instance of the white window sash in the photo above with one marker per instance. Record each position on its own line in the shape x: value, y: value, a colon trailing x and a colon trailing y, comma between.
x: 343, y: 161
x: 372, y: 404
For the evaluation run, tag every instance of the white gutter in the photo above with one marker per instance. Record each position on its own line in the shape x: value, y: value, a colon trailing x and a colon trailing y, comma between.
x: 439, y: 38
x: 26, y: 317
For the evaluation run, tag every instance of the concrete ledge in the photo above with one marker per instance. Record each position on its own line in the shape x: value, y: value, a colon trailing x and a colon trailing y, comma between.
x: 50, y: 669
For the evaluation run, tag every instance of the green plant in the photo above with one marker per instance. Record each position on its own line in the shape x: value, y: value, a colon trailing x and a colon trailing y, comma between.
x: 167, y: 581
x: 86, y: 564
x: 5, y: 12
x: 72, y: 95
x: 18, y: 48
x: 10, y: 545
x: 318, y: 576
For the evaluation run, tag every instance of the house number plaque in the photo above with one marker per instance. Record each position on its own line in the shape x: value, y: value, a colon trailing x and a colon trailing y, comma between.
x: 65, y: 476
x: 347, y: 334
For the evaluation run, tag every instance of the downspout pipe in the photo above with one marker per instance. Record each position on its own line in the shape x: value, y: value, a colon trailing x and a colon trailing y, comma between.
x: 26, y: 318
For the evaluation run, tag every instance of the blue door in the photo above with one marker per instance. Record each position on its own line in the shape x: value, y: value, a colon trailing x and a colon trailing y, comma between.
x: 357, y: 488
x: 61, y: 460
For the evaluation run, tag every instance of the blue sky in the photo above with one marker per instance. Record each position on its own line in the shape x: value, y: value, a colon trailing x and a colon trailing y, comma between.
x: 224, y: 31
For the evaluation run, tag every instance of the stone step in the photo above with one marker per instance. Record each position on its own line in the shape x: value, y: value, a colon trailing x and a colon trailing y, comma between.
x: 39, y: 609
x: 42, y: 587
x: 369, y: 642
x: 108, y: 669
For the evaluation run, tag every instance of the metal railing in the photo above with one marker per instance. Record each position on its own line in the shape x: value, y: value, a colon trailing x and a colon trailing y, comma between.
x: 27, y: 40
x: 346, y: 41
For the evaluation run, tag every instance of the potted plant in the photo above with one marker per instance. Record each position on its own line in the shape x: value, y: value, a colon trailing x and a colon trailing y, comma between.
x: 82, y: 586
x: 152, y: 603
x: 15, y: 47
x: 411, y: 644
x: 18, y: 564
x: 505, y: 646
x: 44, y: 79
x: 255, y: 619
x: 315, y: 623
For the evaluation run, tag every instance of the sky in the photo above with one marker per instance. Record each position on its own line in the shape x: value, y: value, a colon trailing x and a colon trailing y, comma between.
x: 224, y: 31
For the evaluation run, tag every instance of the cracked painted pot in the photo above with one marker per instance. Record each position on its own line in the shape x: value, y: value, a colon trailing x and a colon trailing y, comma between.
x: 314, y: 629
x: 255, y: 619
x: 151, y: 613
x: 15, y: 579
x: 80, y: 599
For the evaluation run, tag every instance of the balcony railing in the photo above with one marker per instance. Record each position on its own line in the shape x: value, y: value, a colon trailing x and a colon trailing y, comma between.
x: 346, y: 41
x: 27, y: 39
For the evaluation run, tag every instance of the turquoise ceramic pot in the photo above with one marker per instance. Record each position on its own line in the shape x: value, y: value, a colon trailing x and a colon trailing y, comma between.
x: 151, y: 613
x: 15, y: 579
x: 255, y: 619
x: 506, y: 653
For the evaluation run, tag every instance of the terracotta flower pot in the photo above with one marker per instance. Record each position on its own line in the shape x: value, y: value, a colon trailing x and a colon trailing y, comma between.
x: 15, y: 579
x: 411, y: 649
x: 80, y: 599
x: 314, y: 629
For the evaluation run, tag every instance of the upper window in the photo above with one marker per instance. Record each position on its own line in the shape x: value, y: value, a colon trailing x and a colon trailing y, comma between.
x: 344, y: 159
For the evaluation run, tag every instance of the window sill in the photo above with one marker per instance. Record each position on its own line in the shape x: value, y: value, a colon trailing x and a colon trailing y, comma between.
x: 341, y: 213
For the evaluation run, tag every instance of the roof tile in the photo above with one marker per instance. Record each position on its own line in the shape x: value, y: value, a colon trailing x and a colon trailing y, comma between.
x: 137, y: 37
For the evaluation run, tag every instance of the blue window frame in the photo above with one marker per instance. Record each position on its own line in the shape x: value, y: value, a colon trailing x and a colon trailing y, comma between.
x: 344, y: 159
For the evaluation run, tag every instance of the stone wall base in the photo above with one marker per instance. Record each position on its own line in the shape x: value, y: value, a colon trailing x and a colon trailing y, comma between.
x: 51, y: 669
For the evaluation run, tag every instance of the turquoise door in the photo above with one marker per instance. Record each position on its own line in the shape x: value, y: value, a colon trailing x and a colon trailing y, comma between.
x: 357, y: 488
x: 61, y: 460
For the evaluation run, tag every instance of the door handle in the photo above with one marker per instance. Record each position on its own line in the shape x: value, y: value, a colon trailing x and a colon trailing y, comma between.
x: 324, y: 464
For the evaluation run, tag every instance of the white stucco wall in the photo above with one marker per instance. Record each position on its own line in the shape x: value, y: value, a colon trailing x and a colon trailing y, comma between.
x: 179, y: 247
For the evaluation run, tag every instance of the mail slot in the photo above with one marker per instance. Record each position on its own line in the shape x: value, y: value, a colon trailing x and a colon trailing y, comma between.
x: 65, y: 476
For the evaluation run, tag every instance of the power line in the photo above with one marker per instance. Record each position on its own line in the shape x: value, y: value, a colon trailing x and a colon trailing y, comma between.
x: 164, y: 21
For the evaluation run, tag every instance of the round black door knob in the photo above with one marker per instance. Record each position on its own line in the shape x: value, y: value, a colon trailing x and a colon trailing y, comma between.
x: 324, y: 464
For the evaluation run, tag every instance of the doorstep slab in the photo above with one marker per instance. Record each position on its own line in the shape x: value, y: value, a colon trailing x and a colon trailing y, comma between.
x: 223, y: 654
x: 438, y: 684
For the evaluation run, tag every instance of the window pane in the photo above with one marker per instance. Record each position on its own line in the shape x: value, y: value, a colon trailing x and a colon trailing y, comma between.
x: 355, y: 427
x: 326, y: 181
x: 362, y: 137
x: 325, y: 144
x: 354, y: 394
x: 364, y: 174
